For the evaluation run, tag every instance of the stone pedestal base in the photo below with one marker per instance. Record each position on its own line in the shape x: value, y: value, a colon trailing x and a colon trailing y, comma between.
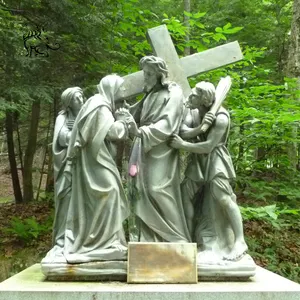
x: 31, y: 285
x: 117, y: 270
x: 93, y: 271
x: 226, y: 270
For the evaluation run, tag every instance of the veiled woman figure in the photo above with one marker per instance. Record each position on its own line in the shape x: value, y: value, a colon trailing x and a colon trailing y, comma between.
x: 72, y: 101
x: 98, y: 206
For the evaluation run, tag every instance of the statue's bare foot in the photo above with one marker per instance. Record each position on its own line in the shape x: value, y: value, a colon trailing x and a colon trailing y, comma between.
x: 238, y: 251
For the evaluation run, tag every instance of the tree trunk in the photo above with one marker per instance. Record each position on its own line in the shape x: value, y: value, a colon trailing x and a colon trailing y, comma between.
x: 30, y: 151
x: 187, y: 8
x: 12, y: 157
x: 45, y: 156
x: 20, y: 147
x: 293, y: 70
x: 50, y: 172
x: 293, y: 63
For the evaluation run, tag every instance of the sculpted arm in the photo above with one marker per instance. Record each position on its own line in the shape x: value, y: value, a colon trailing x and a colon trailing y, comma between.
x: 118, y: 129
x: 124, y: 115
x: 213, y: 139
x: 188, y: 133
x: 64, y: 136
x: 186, y: 126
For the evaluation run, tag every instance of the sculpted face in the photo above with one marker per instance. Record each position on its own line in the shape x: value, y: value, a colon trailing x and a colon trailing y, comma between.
x: 150, y: 77
x: 206, y: 100
x: 193, y: 101
x: 196, y: 101
x: 119, y: 94
x: 119, y: 97
x: 76, y: 102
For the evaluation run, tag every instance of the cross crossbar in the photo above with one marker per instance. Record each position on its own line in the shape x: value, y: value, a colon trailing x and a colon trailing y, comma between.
x: 180, y: 69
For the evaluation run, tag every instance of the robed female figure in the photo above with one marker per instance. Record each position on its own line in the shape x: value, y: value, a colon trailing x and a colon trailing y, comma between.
x: 98, y: 206
x: 72, y: 101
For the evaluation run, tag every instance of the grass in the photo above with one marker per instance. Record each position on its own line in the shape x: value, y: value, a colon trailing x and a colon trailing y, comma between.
x: 5, y: 200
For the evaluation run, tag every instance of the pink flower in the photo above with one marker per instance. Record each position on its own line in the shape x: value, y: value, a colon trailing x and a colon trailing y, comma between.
x: 133, y: 170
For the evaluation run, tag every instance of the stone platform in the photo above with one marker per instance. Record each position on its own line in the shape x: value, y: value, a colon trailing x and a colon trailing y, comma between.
x: 31, y: 285
x: 163, y: 268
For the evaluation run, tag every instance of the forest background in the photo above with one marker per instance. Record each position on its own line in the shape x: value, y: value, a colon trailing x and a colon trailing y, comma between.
x: 98, y: 37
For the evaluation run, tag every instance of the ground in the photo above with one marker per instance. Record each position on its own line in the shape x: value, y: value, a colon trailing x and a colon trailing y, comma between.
x: 19, y: 247
x: 6, y: 190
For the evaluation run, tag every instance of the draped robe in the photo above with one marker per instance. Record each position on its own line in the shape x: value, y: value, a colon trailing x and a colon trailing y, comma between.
x: 158, y: 205
x: 61, y: 190
x: 98, y: 205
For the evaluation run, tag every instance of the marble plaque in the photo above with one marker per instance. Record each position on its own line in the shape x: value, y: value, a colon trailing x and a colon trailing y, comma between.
x: 162, y: 263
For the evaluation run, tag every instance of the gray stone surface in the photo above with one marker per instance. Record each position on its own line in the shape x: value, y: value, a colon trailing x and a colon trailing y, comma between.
x: 93, y: 271
x: 162, y: 263
x: 72, y: 101
x: 91, y: 230
x: 211, y: 59
x: 117, y: 270
x: 213, y: 216
x: 153, y: 164
x: 184, y: 67
x: 163, y: 47
x: 89, y: 226
x: 224, y: 270
x: 31, y: 284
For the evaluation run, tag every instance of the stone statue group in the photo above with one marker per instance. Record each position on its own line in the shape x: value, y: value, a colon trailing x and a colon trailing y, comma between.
x: 90, y: 202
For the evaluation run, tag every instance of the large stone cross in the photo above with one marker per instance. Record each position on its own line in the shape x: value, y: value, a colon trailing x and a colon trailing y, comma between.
x: 181, y: 68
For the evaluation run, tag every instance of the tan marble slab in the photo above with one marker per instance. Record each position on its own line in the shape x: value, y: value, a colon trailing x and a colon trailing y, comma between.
x: 162, y: 263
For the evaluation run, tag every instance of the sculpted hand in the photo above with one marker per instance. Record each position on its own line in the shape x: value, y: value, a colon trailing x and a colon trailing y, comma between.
x: 188, y: 133
x: 72, y: 155
x: 209, y: 117
x: 77, y: 145
x: 126, y: 105
x: 70, y: 124
x: 123, y: 114
x: 176, y: 142
x: 133, y: 129
x: 207, y: 121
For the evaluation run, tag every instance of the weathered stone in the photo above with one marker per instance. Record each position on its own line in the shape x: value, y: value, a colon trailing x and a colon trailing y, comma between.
x: 219, y: 270
x: 163, y: 47
x: 222, y: 270
x: 90, y: 212
x: 217, y: 226
x: 162, y: 263
x: 181, y: 69
x: 211, y: 59
x: 93, y: 271
x: 31, y: 285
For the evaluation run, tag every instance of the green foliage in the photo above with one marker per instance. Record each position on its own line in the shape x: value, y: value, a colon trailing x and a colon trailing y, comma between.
x: 265, y: 24
x: 47, y: 197
x: 277, y: 249
x: 270, y: 213
x: 201, y: 37
x: 28, y: 229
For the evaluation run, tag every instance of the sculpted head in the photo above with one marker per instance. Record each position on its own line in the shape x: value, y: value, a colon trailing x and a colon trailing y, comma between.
x: 155, y: 71
x: 110, y: 87
x: 203, y: 94
x: 72, y: 99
